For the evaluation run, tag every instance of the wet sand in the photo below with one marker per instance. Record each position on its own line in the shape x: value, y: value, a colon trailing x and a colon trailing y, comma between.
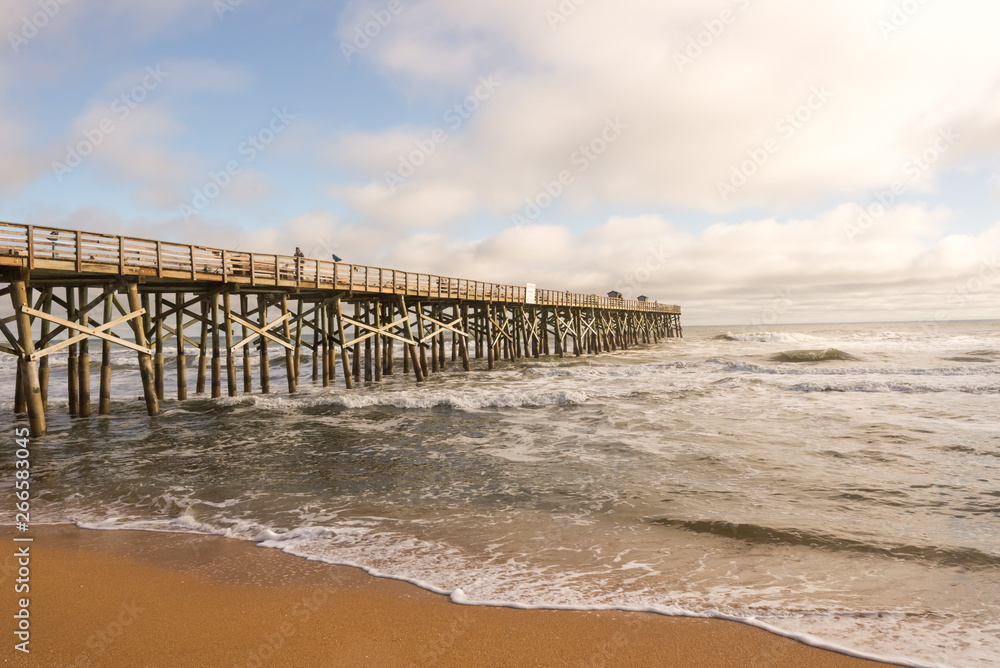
x: 128, y: 598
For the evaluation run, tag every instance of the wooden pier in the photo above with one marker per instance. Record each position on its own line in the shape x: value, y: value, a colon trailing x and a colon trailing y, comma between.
x: 212, y: 300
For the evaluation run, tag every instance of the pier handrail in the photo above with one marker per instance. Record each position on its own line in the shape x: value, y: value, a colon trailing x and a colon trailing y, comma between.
x: 41, y: 247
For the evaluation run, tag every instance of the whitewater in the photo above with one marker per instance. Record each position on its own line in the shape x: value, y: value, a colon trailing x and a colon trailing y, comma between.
x: 834, y: 483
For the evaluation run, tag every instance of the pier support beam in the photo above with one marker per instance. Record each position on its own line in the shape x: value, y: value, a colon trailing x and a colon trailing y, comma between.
x: 490, y: 351
x: 326, y: 331
x: 213, y: 307
x: 317, y: 314
x: 199, y: 387
x: 344, y: 358
x: 289, y: 354
x: 411, y: 349
x: 104, y: 399
x: 247, y: 371
x: 83, y: 372
x: 43, y: 366
x: 230, y: 357
x: 145, y: 361
x: 378, y: 352
x: 182, y: 389
x: 30, y: 386
x: 158, y: 362
x: 265, y: 363
x: 73, y: 363
x: 463, y: 341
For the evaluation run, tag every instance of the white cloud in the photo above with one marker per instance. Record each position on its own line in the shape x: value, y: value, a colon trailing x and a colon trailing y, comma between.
x: 889, y: 96
x: 728, y: 273
x: 128, y: 130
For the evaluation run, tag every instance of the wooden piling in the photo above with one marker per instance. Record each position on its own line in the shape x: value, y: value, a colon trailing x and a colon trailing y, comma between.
x: 289, y: 354
x: 83, y: 373
x: 20, y: 403
x: 377, y: 344
x: 247, y: 368
x: 560, y: 337
x: 356, y: 348
x: 368, y: 343
x: 410, y: 347
x: 73, y: 362
x: 420, y: 340
x: 327, y: 347
x: 31, y: 390
x: 578, y: 341
x: 158, y: 360
x: 463, y: 341
x: 145, y: 361
x: 43, y: 365
x: 344, y: 360
x: 265, y: 361
x: 299, y: 322
x: 202, y: 349
x: 230, y: 357
x: 104, y: 396
x: 316, y: 341
x: 490, y: 352
x: 331, y: 359
x: 216, y: 352
x: 439, y: 314
x: 389, y: 343
x: 434, y: 349
x: 181, y: 355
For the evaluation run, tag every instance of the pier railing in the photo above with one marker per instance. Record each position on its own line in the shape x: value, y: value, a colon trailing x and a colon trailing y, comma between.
x: 49, y: 248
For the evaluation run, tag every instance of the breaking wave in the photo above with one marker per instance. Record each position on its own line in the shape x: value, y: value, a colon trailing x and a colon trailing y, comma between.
x: 768, y: 337
x: 826, y: 355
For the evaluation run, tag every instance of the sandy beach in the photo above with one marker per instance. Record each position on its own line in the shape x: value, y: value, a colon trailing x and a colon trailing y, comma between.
x: 125, y: 598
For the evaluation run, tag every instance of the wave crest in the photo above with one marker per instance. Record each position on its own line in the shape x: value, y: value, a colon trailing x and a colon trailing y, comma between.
x: 829, y: 354
x: 768, y: 337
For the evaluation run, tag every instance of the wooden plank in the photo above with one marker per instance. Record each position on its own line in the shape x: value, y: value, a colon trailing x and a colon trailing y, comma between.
x: 88, y: 331
x: 31, y: 247
x: 382, y: 330
x: 259, y: 331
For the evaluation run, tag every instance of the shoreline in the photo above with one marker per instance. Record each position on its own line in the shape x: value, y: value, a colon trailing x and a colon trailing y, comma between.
x: 128, y: 597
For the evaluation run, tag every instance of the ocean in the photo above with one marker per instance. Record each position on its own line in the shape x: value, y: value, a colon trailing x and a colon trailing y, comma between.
x: 835, y: 483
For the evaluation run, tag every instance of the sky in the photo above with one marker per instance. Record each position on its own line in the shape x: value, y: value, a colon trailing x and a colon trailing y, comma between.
x: 758, y: 162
